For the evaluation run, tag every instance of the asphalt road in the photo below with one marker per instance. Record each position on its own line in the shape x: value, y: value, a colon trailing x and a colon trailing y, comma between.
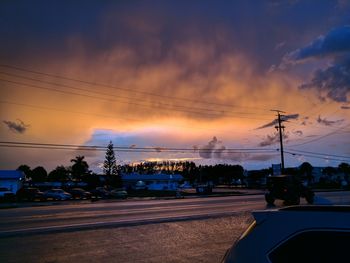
x: 78, y: 216
x: 186, y: 230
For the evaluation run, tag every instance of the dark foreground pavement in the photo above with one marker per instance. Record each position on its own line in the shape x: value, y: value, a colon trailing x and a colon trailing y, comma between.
x: 190, y: 241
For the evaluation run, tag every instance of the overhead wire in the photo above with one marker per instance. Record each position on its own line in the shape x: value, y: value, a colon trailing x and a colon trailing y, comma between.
x: 103, y: 116
x: 320, y: 154
x: 119, y: 96
x: 170, y: 107
x: 127, y: 148
x: 97, y: 98
x: 317, y: 157
x: 125, y: 89
x: 321, y: 137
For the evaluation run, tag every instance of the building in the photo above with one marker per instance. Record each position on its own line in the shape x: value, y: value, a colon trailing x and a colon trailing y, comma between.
x: 12, y: 180
x: 152, y: 181
x: 276, y: 169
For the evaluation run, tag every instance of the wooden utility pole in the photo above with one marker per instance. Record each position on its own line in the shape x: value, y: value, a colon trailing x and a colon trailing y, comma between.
x: 279, y: 129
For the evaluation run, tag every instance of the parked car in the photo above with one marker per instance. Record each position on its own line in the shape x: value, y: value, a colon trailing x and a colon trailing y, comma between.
x: 79, y: 193
x: 287, y: 188
x: 140, y: 185
x: 117, y: 193
x: 185, y: 185
x: 6, y: 194
x: 204, y: 189
x: 295, y: 234
x: 30, y: 194
x: 101, y: 192
x: 57, y: 194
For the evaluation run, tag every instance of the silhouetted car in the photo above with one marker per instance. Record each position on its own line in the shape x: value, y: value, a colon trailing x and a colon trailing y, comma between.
x: 204, y: 189
x: 100, y: 192
x: 295, y: 234
x: 30, y: 194
x: 287, y: 188
x: 116, y: 193
x: 79, y: 193
x: 57, y: 194
x: 6, y: 194
x: 140, y: 185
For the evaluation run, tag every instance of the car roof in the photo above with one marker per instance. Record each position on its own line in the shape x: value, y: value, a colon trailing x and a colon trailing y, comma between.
x: 318, y: 208
x: 262, y: 215
x: 274, y: 226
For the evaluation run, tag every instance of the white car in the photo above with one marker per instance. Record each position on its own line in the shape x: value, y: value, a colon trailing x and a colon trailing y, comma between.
x: 57, y: 194
x: 295, y: 234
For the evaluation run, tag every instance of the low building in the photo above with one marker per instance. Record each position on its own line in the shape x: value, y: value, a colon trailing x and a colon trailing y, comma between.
x: 12, y: 180
x: 152, y: 181
x: 317, y: 173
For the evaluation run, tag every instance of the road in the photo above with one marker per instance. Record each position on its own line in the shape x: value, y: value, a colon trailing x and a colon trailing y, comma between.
x: 186, y: 230
x: 78, y: 216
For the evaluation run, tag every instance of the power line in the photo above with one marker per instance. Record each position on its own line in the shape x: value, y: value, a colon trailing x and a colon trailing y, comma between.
x: 172, y: 108
x: 155, y: 151
x: 124, y: 89
x: 317, y: 157
x: 99, y: 115
x: 120, y: 97
x: 320, y: 138
x: 321, y: 154
x: 128, y: 148
x: 97, y: 98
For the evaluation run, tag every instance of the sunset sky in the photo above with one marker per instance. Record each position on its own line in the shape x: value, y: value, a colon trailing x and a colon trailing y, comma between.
x: 170, y: 75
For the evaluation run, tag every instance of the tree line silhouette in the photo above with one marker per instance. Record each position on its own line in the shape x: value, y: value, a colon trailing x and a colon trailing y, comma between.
x: 220, y: 173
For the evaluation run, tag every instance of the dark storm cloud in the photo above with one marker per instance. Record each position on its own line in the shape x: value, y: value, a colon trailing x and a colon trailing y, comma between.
x: 298, y: 133
x: 151, y: 30
x: 328, y: 122
x: 306, y: 121
x: 275, y: 122
x: 216, y: 150
x: 334, y: 81
x: 17, y: 127
x: 337, y: 41
x: 207, y: 151
x: 271, y: 139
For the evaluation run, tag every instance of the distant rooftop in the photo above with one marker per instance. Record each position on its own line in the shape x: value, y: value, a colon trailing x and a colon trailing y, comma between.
x: 11, y: 174
x: 156, y: 177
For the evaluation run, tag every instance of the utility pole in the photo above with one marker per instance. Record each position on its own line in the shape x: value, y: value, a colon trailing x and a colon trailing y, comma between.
x: 279, y: 129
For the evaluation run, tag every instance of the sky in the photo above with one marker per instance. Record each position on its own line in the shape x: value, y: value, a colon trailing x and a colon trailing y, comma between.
x: 175, y: 80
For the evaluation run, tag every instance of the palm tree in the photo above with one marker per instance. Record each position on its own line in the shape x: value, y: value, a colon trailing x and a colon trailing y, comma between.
x: 79, y: 168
